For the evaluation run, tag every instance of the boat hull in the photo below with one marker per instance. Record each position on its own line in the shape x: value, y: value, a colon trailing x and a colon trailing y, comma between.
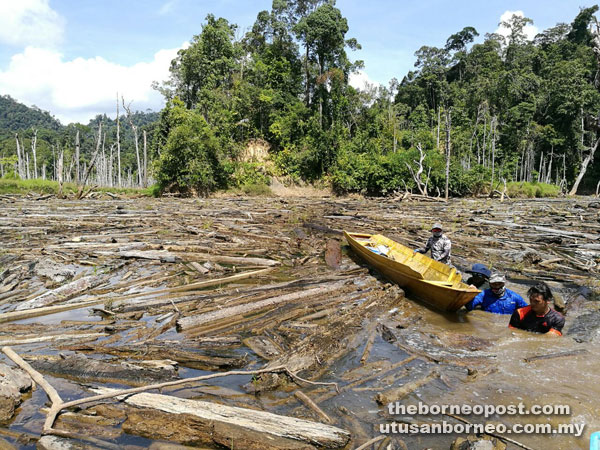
x: 446, y: 295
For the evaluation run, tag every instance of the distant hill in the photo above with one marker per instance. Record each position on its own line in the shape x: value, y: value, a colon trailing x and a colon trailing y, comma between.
x: 15, y: 116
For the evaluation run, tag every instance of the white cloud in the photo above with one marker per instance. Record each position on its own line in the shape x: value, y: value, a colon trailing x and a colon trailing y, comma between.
x: 30, y: 22
x: 529, y: 30
x: 77, y: 90
x: 360, y: 80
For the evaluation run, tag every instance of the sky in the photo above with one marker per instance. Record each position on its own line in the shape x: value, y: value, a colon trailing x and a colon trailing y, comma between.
x: 71, y: 57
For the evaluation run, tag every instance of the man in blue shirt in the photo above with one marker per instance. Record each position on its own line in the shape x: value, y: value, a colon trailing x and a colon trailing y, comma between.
x: 497, y: 299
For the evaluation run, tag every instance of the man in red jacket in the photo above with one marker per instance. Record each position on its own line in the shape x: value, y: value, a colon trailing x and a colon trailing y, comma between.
x: 538, y: 317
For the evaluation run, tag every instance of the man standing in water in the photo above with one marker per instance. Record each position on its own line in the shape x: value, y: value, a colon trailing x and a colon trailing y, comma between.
x: 480, y: 276
x: 497, y: 299
x: 439, y: 244
x: 538, y: 317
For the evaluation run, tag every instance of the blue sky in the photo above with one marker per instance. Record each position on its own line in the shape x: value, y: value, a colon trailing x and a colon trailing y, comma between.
x: 71, y: 56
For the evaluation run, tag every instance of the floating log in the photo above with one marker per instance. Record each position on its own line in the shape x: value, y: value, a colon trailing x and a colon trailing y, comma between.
x: 52, y: 338
x: 333, y: 254
x: 312, y: 405
x: 156, y: 255
x: 155, y: 352
x: 47, y: 310
x: 201, y: 415
x: 395, y: 394
x: 556, y: 355
x: 83, y: 368
x: 263, y: 347
x: 12, y: 383
x: 194, y: 321
x: 62, y: 293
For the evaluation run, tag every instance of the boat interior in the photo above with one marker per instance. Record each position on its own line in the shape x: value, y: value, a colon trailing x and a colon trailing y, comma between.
x: 422, y: 266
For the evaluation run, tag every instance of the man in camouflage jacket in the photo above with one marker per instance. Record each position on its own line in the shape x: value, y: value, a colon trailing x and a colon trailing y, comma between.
x: 439, y: 244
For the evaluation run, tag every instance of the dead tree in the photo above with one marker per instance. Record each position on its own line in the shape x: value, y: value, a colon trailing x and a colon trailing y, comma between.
x: 421, y: 186
x: 60, y: 171
x: 590, y: 156
x: 92, y: 162
x: 584, y: 165
x: 77, y: 148
x: 118, y: 145
x: 33, y: 150
x: 493, y: 127
x: 20, y: 158
x: 146, y: 159
x: 136, y: 140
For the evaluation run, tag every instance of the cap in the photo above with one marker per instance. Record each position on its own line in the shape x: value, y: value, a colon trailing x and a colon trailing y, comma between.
x: 437, y: 225
x: 480, y: 269
x: 497, y: 278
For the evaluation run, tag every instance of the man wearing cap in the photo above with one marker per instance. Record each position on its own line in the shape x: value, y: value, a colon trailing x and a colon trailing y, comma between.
x: 497, y: 299
x: 439, y: 244
x: 480, y: 276
x: 538, y: 317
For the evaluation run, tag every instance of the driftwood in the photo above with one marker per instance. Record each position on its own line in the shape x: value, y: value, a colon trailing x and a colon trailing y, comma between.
x: 62, y: 293
x: 52, y: 338
x: 157, y: 255
x: 155, y: 352
x: 12, y: 383
x: 395, y: 394
x: 499, y: 436
x: 555, y: 355
x: 312, y: 405
x: 195, y: 321
x: 262, y: 422
x: 370, y: 442
x: 268, y: 423
x: 88, y: 369
x: 320, y: 335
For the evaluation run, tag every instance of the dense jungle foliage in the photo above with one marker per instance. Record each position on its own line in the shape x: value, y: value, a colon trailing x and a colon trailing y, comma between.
x: 476, y: 114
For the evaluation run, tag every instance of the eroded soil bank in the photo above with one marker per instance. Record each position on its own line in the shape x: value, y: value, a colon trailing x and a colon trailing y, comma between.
x: 100, y: 294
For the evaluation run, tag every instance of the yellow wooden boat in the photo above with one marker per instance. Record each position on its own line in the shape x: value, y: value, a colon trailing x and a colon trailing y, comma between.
x: 433, y: 282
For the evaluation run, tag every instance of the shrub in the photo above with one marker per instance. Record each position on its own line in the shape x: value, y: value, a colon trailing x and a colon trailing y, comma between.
x: 532, y: 190
x: 189, y: 161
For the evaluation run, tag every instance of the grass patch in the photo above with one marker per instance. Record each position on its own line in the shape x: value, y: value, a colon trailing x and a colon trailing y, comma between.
x: 532, y: 190
x: 252, y: 190
x: 12, y: 186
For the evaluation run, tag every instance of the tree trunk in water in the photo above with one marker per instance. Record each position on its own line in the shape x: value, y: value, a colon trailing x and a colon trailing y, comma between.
x: 584, y: 166
x: 448, y: 143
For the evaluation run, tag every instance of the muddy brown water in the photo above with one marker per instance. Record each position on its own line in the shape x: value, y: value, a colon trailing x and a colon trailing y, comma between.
x: 456, y: 345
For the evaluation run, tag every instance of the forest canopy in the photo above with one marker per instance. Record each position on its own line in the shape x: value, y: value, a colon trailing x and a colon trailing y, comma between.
x: 475, y: 114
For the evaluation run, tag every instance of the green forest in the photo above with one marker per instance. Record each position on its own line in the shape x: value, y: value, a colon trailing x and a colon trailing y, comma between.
x: 476, y: 115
